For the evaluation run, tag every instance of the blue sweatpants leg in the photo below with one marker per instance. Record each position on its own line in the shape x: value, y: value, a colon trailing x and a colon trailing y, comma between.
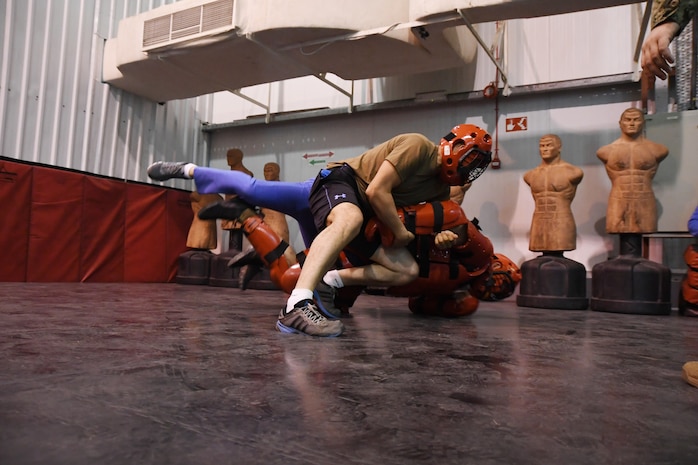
x: 290, y: 198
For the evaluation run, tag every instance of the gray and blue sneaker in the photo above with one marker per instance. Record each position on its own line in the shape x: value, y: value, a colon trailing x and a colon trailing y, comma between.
x: 305, y: 318
x: 164, y: 170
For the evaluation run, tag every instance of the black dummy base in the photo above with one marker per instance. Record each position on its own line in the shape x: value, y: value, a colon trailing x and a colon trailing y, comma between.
x: 221, y: 274
x: 193, y: 267
x: 553, y: 281
x: 630, y: 283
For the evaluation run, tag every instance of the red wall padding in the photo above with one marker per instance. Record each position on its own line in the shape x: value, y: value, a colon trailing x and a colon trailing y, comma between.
x: 146, y: 232
x: 66, y: 226
x: 15, y: 199
x: 103, y: 232
x: 179, y: 218
x: 54, y: 227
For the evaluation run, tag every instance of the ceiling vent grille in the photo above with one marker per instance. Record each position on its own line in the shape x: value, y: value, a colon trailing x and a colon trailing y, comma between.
x: 187, y: 24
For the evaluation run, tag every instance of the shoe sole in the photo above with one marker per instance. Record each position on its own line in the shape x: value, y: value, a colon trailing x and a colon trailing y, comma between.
x: 164, y: 177
x: 160, y: 178
x: 288, y: 330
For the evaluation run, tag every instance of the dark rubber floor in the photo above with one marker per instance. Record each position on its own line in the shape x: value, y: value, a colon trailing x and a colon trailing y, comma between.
x: 175, y: 374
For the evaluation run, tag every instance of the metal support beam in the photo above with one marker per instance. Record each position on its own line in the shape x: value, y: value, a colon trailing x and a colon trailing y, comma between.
x: 643, y: 30
x: 479, y: 39
x: 266, y: 107
x: 322, y: 77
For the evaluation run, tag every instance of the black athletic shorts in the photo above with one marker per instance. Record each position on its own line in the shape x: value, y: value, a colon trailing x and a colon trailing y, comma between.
x: 335, y: 186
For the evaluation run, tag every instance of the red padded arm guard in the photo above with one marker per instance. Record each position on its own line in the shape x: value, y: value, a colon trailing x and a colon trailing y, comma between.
x: 422, y: 219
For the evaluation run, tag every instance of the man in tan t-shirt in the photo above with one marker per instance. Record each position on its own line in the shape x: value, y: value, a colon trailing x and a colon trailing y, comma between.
x: 404, y: 170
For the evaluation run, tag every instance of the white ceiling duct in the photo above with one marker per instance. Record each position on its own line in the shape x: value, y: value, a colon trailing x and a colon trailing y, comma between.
x: 197, y: 47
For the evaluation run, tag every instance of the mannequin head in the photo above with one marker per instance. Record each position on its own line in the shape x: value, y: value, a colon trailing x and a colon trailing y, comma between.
x: 234, y: 157
x: 632, y: 122
x: 549, y: 147
x: 272, y: 171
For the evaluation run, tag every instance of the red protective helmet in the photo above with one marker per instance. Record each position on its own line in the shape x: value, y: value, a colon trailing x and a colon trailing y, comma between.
x: 466, y: 152
x: 500, y: 282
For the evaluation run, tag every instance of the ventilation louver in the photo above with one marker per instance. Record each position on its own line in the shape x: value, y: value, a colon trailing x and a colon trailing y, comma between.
x: 192, y: 23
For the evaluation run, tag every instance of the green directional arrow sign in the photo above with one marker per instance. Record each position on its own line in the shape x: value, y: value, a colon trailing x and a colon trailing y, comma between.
x: 315, y: 162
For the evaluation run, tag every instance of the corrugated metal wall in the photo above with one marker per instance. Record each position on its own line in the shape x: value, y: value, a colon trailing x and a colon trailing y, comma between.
x: 54, y: 109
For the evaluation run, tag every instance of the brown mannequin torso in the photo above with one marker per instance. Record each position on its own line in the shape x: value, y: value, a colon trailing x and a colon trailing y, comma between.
x: 553, y: 185
x: 234, y: 157
x: 631, y: 163
x: 277, y: 220
x: 202, y: 233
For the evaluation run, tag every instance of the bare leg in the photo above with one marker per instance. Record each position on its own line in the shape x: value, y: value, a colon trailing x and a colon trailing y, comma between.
x: 392, y: 267
x: 344, y: 224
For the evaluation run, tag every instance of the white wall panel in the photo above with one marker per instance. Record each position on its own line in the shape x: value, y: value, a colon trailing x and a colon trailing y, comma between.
x: 54, y: 109
x: 573, y: 46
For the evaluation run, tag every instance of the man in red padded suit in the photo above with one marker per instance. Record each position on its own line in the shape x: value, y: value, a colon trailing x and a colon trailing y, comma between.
x: 457, y: 265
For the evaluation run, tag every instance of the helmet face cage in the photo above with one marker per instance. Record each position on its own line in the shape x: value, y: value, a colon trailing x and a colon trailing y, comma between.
x: 472, y: 164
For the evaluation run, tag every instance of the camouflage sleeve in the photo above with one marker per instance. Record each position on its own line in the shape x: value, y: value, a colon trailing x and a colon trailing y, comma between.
x: 678, y: 11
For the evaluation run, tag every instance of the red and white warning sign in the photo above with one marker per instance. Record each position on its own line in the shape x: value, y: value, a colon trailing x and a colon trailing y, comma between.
x: 519, y: 123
